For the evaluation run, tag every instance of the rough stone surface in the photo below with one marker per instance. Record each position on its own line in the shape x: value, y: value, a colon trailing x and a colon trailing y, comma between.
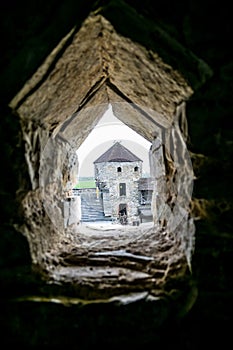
x: 29, y: 35
x: 110, y: 59
x: 57, y: 114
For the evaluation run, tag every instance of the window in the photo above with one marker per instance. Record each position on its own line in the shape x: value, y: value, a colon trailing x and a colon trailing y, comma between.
x: 136, y: 168
x: 119, y: 169
x: 122, y: 188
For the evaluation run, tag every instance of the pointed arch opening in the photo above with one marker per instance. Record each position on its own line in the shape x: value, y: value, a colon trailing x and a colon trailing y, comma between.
x: 59, y: 115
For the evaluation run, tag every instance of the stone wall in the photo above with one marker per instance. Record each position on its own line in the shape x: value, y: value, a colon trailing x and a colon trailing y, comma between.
x: 29, y: 37
x: 107, y: 173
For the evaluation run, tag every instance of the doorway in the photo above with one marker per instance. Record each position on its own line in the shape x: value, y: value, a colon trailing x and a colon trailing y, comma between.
x: 123, y: 213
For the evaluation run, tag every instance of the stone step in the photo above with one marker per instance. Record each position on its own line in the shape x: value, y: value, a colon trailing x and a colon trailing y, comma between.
x: 92, y: 209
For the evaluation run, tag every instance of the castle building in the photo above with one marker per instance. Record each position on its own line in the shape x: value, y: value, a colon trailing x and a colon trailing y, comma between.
x: 117, y: 173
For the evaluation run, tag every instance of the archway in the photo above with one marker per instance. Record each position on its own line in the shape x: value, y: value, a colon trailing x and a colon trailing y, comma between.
x: 149, y: 96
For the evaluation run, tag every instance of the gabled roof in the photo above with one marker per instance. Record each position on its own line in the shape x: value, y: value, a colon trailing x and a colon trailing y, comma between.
x: 117, y: 153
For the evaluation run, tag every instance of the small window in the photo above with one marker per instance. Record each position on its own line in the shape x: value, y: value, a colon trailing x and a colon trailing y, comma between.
x: 122, y: 189
x: 136, y: 169
x: 119, y: 169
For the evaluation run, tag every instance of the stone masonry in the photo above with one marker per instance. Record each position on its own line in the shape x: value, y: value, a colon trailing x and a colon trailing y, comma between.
x: 117, y: 174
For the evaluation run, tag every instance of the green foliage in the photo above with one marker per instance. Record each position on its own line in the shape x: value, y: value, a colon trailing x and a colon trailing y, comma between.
x: 86, y: 183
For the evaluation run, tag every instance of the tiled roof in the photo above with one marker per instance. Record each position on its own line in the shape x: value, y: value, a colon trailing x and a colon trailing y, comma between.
x: 117, y: 153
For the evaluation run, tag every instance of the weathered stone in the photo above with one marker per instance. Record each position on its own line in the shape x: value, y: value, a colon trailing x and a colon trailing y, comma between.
x: 58, y: 108
x: 56, y: 319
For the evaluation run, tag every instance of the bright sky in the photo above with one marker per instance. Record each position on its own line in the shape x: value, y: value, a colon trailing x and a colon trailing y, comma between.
x: 101, y: 139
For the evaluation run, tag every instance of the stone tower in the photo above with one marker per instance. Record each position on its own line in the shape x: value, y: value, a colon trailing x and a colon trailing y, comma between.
x: 117, y: 173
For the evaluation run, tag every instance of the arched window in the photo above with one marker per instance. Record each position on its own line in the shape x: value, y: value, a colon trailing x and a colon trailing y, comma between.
x: 119, y: 169
x: 136, y: 168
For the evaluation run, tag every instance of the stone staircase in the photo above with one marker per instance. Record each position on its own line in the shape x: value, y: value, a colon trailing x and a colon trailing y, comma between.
x: 92, y: 208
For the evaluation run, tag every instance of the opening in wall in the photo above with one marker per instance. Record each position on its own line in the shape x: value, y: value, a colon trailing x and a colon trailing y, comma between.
x: 135, y: 230
x: 88, y: 189
x: 108, y: 159
x: 149, y: 253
